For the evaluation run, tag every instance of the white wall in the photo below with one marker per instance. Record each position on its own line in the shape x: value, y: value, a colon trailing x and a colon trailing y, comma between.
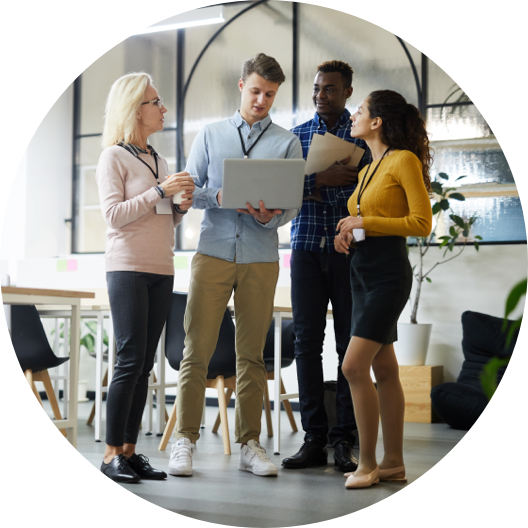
x: 40, y: 199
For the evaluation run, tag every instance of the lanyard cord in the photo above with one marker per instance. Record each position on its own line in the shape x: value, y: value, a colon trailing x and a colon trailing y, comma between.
x: 156, y: 174
x: 155, y: 154
x: 361, y: 189
x: 246, y: 153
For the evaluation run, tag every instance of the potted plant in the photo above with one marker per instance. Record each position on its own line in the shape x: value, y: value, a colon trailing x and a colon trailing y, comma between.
x: 413, y: 338
x: 87, y: 341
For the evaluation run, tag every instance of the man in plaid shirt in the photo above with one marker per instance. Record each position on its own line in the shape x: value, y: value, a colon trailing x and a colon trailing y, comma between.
x: 319, y: 274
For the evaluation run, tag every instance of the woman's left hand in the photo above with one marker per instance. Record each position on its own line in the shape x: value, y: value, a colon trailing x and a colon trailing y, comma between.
x: 187, y: 201
x: 350, y: 222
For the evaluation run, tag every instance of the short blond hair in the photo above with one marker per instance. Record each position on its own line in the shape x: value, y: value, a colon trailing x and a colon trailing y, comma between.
x: 122, y: 104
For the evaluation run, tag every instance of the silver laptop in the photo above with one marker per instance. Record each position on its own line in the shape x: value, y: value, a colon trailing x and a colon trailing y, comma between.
x: 279, y: 183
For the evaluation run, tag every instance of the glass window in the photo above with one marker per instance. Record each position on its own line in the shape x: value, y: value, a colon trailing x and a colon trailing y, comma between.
x: 375, y: 55
x: 463, y: 141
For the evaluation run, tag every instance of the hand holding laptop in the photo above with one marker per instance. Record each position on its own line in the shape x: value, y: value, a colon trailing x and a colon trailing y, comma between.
x: 263, y: 215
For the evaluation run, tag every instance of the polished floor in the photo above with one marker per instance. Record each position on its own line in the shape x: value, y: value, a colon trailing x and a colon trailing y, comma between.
x: 218, y: 492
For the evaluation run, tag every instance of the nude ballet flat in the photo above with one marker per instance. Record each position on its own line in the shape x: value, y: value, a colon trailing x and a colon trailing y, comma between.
x: 365, y: 481
x: 393, y: 475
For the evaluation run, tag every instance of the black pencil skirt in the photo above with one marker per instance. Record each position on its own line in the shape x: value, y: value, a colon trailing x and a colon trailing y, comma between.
x: 381, y: 281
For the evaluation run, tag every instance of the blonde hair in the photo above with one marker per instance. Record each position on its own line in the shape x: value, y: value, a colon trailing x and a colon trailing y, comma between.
x: 122, y: 104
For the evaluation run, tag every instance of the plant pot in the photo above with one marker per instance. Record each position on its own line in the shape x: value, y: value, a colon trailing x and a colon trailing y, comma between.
x: 413, y: 342
x: 81, y: 391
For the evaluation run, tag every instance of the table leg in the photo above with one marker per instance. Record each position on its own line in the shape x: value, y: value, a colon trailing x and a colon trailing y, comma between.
x: 111, y: 350
x: 160, y: 394
x: 276, y: 383
x: 99, y: 345
x: 67, y: 352
x: 74, y: 369
x: 56, y: 383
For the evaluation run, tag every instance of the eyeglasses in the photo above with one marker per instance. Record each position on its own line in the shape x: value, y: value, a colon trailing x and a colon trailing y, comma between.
x: 158, y: 101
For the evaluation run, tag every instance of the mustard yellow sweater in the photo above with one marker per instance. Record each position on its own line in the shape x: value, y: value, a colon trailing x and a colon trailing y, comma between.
x: 395, y: 203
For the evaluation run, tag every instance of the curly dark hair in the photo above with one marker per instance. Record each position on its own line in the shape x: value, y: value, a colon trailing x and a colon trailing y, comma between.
x: 338, y: 66
x: 402, y: 127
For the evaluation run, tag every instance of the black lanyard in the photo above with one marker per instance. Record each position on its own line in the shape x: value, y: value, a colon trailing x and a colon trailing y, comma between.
x: 246, y: 153
x: 155, y: 154
x: 361, y: 189
x: 156, y: 174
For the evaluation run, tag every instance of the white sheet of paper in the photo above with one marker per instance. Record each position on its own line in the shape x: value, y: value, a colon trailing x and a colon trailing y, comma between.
x: 327, y: 149
x: 165, y: 206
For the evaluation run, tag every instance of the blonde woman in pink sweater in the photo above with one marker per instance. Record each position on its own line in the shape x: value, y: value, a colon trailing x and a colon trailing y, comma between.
x: 136, y: 190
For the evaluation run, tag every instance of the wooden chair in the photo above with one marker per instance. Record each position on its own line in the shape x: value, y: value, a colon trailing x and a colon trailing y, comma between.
x: 34, y: 352
x: 105, y: 385
x: 287, y: 357
x: 222, y: 367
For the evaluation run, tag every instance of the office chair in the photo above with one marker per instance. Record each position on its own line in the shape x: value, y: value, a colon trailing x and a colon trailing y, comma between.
x: 34, y: 352
x: 222, y: 367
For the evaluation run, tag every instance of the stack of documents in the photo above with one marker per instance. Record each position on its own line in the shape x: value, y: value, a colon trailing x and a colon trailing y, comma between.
x: 326, y: 149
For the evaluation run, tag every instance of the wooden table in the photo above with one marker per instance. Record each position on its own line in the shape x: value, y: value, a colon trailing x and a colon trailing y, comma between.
x: 99, y: 312
x: 14, y: 295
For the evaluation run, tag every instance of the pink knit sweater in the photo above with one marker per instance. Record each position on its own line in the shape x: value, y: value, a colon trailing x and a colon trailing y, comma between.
x: 137, y: 238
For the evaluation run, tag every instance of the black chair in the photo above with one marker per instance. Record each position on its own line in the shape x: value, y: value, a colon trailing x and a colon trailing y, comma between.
x: 222, y: 367
x: 34, y: 352
x: 460, y: 404
x: 287, y: 358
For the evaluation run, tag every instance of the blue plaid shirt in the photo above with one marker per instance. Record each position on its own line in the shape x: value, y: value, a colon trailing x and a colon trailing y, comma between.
x: 314, y: 227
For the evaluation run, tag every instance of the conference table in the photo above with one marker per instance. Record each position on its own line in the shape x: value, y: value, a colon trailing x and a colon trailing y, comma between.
x: 13, y: 295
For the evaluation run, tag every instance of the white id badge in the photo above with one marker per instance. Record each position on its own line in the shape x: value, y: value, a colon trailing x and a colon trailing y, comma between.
x: 358, y: 234
x: 164, y: 207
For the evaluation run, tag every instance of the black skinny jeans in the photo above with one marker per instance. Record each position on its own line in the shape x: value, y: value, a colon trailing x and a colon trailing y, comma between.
x: 139, y: 303
x: 316, y: 279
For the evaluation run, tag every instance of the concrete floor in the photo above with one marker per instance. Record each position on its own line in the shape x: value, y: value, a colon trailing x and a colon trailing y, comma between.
x: 218, y: 492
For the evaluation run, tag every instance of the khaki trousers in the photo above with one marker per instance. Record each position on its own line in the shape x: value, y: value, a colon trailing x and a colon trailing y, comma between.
x: 213, y: 281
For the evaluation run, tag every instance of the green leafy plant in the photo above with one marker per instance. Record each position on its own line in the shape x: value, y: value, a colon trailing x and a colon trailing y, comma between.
x: 88, y: 339
x: 457, y: 237
x: 488, y: 376
x: 514, y: 297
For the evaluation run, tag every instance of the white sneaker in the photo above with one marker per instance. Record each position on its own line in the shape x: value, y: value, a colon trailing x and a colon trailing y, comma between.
x: 180, y: 463
x: 253, y: 458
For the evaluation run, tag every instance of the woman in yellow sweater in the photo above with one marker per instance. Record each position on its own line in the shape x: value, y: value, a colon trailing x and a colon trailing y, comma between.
x: 391, y: 202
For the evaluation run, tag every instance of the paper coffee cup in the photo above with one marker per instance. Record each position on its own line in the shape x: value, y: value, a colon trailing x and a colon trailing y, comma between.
x: 177, y: 198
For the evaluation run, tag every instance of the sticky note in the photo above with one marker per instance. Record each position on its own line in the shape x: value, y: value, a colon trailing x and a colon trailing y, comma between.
x: 181, y: 262
x: 71, y: 265
x: 62, y: 265
x: 286, y: 261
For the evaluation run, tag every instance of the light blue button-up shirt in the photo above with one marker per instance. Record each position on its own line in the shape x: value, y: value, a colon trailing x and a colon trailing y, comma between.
x: 225, y: 233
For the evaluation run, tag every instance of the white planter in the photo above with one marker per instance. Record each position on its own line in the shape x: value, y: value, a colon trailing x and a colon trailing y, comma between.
x: 81, y: 391
x: 413, y: 342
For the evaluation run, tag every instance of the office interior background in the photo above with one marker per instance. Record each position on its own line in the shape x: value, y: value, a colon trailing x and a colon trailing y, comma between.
x: 57, y: 173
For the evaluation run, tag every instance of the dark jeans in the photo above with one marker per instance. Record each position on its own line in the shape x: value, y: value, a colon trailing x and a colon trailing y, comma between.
x: 139, y: 303
x: 316, y: 279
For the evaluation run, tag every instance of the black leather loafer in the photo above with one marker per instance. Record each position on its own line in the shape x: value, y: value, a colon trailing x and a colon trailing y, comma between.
x: 344, y: 458
x: 310, y: 454
x: 140, y: 464
x: 119, y: 470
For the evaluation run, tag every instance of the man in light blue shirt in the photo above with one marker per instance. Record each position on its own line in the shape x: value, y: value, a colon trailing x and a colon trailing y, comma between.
x: 237, y: 253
